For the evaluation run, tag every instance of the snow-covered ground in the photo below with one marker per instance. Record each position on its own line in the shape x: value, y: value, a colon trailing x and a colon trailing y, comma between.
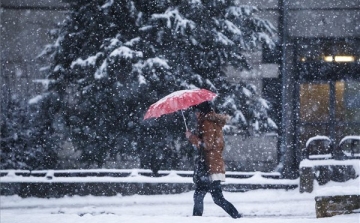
x: 270, y: 206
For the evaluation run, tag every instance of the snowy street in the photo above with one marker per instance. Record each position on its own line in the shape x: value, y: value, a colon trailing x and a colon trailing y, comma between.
x: 271, y: 206
x: 117, y: 111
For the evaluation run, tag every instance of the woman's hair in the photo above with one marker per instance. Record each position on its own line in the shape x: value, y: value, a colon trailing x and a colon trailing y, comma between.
x: 204, y: 107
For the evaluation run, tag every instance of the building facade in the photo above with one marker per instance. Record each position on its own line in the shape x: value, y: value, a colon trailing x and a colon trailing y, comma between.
x: 25, y: 28
x: 312, y: 78
x: 319, y: 73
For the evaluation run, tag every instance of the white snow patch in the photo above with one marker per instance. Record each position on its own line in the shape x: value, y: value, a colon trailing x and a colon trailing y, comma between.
x: 36, y: 99
x: 271, y: 123
x: 232, y: 28
x: 151, y: 62
x: 219, y: 37
x: 141, y: 79
x: 247, y: 92
x: 101, y: 71
x: 45, y: 82
x: 351, y: 137
x: 173, y: 15
x: 58, y: 68
x: 91, y: 60
x: 264, y: 103
x: 125, y: 52
x: 107, y: 4
x: 318, y: 137
x: 132, y: 42
x: 239, y: 11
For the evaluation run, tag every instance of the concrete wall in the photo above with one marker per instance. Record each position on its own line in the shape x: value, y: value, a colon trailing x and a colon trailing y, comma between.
x: 257, y: 153
x: 323, y: 18
x: 25, y: 27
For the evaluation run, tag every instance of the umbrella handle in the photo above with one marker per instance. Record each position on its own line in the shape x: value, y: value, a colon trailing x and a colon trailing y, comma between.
x: 184, y: 120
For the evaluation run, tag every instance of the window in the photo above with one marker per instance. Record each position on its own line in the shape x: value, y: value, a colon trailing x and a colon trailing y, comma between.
x: 314, y: 102
x: 348, y: 100
x: 332, y: 113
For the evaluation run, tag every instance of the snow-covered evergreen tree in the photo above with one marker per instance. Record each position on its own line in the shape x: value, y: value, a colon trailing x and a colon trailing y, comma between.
x: 24, y: 141
x: 14, y: 137
x: 114, y: 58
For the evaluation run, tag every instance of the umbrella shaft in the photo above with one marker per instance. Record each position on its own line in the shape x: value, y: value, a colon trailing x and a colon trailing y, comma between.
x: 184, y: 119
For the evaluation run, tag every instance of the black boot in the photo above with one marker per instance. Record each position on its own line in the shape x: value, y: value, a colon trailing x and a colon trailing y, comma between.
x: 238, y: 215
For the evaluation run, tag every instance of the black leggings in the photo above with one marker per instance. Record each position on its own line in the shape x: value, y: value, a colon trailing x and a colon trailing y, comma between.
x: 215, y: 190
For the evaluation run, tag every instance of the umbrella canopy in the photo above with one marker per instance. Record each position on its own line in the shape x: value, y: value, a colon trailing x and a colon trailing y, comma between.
x: 178, y: 100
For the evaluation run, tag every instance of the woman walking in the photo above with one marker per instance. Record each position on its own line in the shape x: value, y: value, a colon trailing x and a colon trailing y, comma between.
x: 210, y: 144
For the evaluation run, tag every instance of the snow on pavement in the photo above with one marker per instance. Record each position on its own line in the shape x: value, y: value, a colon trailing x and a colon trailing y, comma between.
x: 271, y: 206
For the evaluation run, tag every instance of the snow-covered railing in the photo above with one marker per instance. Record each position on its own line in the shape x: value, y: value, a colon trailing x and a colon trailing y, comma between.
x: 56, y: 183
x: 125, y: 175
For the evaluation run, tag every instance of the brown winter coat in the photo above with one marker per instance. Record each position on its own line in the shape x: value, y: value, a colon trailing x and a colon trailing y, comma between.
x: 210, y: 127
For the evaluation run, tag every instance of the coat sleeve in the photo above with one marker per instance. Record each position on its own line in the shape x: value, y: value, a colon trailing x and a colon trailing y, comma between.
x: 195, y: 140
